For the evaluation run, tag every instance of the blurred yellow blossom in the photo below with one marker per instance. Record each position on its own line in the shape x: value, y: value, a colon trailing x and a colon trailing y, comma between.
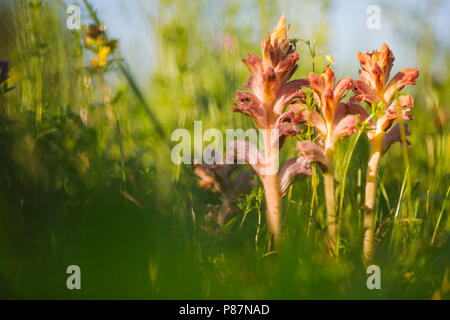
x: 102, y: 56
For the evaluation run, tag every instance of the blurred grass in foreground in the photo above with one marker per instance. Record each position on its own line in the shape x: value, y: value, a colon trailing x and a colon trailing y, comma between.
x: 63, y: 199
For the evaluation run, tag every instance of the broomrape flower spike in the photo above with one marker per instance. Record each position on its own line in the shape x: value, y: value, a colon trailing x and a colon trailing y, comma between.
x: 270, y: 95
x: 335, y: 121
x: 375, y: 90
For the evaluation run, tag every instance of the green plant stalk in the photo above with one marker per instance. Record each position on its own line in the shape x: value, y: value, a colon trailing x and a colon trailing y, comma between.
x: 107, y: 102
x: 328, y: 180
x: 122, y: 157
x: 371, y: 191
x: 38, y: 92
x: 331, y: 217
x: 409, y: 211
x: 440, y: 217
x: 344, y: 179
x: 397, y: 216
x: 314, y: 183
x: 134, y: 87
x: 258, y: 228
x: 314, y: 180
x: 38, y: 66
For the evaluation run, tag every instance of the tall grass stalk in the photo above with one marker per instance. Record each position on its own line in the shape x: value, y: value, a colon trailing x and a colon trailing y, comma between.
x: 348, y: 157
x: 440, y: 216
x: 112, y: 113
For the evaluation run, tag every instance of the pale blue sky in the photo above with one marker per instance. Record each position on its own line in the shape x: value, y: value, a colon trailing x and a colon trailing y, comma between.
x: 130, y: 22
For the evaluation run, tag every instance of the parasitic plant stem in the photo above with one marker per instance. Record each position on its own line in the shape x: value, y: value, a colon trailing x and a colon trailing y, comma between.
x: 272, y: 188
x: 371, y: 191
x: 273, y: 204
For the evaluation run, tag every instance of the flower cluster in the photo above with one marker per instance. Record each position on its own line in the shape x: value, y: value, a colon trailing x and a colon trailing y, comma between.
x: 375, y: 90
x: 278, y: 107
x: 270, y: 89
x: 334, y: 121
x: 270, y: 103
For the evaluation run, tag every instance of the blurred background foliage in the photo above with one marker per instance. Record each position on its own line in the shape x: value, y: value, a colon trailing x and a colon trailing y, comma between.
x: 86, y: 177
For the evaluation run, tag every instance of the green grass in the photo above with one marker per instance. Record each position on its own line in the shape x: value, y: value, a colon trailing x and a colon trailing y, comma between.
x: 74, y: 193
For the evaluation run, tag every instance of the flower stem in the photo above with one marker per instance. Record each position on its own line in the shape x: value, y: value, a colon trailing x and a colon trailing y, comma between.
x: 271, y: 184
x: 371, y: 191
x: 273, y: 204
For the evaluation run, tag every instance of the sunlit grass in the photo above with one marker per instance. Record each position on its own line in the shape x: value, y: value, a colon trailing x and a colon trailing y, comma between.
x: 80, y: 188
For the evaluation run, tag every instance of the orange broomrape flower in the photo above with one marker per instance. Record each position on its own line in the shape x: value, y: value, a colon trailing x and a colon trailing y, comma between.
x: 375, y: 89
x: 270, y: 95
x: 338, y: 120
x: 271, y: 91
x: 375, y: 70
